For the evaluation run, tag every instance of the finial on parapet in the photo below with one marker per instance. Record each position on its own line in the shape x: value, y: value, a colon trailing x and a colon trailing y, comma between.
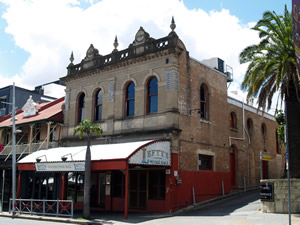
x: 71, y: 58
x: 173, y: 25
x: 116, y: 44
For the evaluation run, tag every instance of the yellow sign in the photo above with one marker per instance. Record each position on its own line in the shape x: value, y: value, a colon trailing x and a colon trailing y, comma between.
x: 266, y: 158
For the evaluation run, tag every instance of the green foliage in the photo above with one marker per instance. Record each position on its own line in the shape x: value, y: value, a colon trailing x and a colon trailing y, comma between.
x: 280, y: 119
x: 272, y: 62
x: 87, y: 127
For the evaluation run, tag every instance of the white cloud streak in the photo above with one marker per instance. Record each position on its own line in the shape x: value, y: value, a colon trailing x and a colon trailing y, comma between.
x: 50, y: 29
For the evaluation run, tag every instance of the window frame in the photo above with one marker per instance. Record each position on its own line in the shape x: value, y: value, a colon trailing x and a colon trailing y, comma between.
x: 150, y: 96
x: 250, y: 126
x: 210, y: 158
x: 128, y: 100
x: 97, y: 106
x: 81, y: 99
x: 264, y: 131
x: 233, y: 120
x: 204, y: 104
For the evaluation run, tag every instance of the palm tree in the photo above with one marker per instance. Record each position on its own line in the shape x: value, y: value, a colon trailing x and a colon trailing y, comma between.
x: 272, y: 68
x: 87, y: 127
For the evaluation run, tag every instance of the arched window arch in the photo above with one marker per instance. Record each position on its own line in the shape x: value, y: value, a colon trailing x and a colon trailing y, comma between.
x: 130, y: 99
x: 233, y: 120
x: 152, y: 95
x: 264, y: 131
x: 98, y: 105
x: 81, y: 107
x: 204, y: 101
x: 249, y: 126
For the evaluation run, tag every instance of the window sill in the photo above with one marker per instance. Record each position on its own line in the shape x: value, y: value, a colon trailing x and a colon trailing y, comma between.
x: 205, y: 121
x: 233, y: 129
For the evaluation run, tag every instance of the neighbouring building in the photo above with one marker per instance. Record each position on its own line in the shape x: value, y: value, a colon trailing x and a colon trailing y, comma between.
x: 171, y: 136
x: 43, y: 93
x: 39, y: 126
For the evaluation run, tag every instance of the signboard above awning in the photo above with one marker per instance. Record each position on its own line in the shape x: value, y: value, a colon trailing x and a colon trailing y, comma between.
x: 155, y: 152
x: 60, y: 166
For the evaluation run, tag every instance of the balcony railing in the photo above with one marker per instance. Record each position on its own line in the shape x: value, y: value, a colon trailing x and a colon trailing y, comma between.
x: 25, y: 148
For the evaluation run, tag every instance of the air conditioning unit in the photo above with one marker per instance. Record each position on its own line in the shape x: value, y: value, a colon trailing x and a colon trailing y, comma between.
x: 215, y: 63
x: 229, y: 76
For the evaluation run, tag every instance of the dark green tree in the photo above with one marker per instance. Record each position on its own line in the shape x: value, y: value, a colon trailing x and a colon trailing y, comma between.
x: 86, y: 127
x: 271, y: 69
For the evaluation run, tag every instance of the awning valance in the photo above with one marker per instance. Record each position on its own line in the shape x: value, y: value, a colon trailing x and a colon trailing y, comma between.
x: 154, y: 152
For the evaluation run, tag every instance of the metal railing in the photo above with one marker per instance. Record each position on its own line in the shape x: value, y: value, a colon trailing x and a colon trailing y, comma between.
x: 24, y: 148
x: 43, y: 207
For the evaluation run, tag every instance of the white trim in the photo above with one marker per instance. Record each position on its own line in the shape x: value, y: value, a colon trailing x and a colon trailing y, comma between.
x: 249, y: 108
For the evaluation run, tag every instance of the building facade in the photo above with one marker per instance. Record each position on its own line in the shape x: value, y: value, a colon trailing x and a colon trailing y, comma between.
x: 39, y: 126
x: 154, y: 92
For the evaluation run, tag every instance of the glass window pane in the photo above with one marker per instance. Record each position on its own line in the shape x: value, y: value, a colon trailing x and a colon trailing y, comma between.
x: 130, y: 91
x: 98, y: 113
x: 153, y: 90
x: 153, y: 100
x: 99, y: 98
x: 130, y: 108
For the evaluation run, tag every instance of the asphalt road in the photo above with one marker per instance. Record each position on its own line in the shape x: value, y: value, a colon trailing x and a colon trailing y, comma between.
x: 242, y: 209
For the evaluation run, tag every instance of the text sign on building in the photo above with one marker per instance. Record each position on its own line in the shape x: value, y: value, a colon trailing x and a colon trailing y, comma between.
x: 266, y: 191
x: 64, y: 166
x: 157, y: 153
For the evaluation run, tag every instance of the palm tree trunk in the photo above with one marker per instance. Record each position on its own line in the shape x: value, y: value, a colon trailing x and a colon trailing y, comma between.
x: 293, y: 134
x: 87, y: 181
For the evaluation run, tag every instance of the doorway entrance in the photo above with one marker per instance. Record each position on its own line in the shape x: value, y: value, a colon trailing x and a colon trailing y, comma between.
x: 137, y: 189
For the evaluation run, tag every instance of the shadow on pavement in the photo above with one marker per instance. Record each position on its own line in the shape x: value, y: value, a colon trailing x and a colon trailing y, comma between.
x: 219, y: 208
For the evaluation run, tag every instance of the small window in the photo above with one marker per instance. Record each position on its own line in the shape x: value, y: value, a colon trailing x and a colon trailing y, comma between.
x: 98, y: 105
x: 264, y: 131
x: 204, y: 102
x: 157, y: 185
x: 205, y: 162
x: 81, y: 107
x: 233, y: 122
x: 152, y: 96
x: 130, y: 98
x: 249, y: 126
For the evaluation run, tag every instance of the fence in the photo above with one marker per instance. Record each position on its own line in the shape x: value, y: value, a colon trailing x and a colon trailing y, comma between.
x: 43, y: 207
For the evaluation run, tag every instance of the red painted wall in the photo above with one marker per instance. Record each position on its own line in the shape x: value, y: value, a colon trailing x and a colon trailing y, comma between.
x: 207, y: 185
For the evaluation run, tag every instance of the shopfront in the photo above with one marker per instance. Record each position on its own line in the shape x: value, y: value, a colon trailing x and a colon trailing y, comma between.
x: 128, y: 176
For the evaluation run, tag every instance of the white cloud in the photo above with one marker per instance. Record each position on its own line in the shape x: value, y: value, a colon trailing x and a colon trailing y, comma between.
x: 50, y: 29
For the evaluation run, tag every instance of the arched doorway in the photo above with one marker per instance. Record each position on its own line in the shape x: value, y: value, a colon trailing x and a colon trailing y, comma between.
x: 232, y: 152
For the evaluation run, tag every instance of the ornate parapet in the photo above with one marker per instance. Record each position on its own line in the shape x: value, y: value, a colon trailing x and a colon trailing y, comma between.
x: 95, y: 61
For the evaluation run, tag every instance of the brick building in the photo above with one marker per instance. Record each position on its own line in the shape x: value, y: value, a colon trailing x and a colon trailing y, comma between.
x: 150, y: 94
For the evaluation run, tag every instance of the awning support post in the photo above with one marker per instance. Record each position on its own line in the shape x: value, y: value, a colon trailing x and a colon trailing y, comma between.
x: 126, y: 193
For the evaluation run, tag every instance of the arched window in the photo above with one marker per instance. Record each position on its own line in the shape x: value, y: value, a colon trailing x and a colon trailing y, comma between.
x: 204, y: 102
x: 278, y: 149
x: 129, y: 99
x: 152, y: 96
x: 264, y: 131
x: 81, y: 107
x: 98, y: 105
x: 249, y: 126
x: 233, y: 122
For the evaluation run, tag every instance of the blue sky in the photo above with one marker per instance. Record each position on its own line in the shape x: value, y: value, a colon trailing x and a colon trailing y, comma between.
x: 246, y: 10
x: 37, y: 37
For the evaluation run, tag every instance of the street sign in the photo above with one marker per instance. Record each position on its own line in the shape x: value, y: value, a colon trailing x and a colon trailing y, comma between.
x: 266, y: 191
x: 266, y: 158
